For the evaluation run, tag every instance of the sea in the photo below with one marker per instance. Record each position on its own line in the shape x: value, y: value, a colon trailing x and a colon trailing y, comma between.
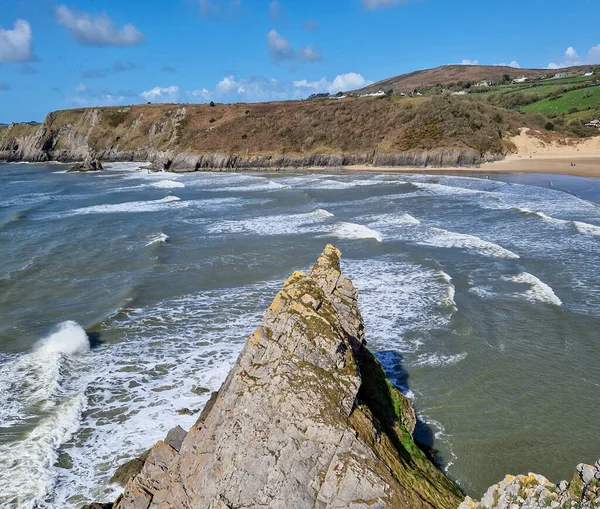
x: 126, y: 296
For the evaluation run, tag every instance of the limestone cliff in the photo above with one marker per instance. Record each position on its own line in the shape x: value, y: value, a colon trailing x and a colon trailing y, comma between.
x: 382, y: 132
x: 305, y: 419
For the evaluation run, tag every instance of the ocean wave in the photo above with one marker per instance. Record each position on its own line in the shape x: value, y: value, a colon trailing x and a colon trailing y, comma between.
x: 127, y: 166
x: 397, y: 297
x: 538, y: 291
x: 276, y: 225
x: 162, y: 363
x: 451, y: 293
x: 161, y: 238
x: 269, y: 185
x: 355, y: 232
x: 44, y: 387
x: 168, y: 184
x: 449, y: 239
x: 587, y: 228
x: 132, y: 206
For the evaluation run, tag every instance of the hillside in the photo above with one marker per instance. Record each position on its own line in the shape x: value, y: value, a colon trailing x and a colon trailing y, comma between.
x: 447, y: 74
x: 419, y: 131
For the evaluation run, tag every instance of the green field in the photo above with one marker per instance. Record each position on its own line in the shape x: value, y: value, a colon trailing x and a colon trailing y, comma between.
x: 582, y: 99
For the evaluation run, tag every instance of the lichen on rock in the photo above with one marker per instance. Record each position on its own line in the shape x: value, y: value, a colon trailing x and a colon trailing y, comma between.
x: 305, y: 419
x: 534, y: 491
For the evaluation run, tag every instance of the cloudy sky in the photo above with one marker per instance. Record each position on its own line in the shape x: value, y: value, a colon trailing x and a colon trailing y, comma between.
x: 85, y: 53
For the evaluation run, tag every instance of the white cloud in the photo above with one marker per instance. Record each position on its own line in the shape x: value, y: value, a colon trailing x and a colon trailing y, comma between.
x: 100, y: 100
x: 15, y: 44
x: 514, y: 64
x: 309, y: 54
x: 279, y: 47
x: 469, y: 62
x: 280, y: 50
x: 166, y: 94
x: 81, y: 88
x: 376, y: 4
x: 341, y: 83
x: 98, y: 30
x: 258, y: 88
x: 571, y: 53
x: 572, y: 58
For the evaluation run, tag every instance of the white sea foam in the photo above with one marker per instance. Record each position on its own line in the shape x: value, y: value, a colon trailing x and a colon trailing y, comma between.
x: 355, y: 232
x: 168, y: 184
x: 127, y: 166
x: 139, y: 384
x: 133, y: 206
x: 451, y: 293
x: 538, y: 291
x: 69, y: 338
x: 160, y: 238
x: 437, y: 360
x: 543, y: 216
x: 45, y: 383
x: 398, y: 296
x: 444, y: 238
x: 587, y: 228
x: 247, y: 187
x: 276, y: 225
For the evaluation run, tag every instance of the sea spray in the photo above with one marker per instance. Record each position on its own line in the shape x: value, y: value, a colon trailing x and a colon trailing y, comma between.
x: 44, y: 387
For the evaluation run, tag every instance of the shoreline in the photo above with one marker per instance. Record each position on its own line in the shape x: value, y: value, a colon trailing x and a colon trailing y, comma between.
x: 571, y: 164
x: 585, y: 165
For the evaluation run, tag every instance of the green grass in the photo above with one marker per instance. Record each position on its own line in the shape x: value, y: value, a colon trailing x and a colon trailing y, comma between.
x: 582, y: 99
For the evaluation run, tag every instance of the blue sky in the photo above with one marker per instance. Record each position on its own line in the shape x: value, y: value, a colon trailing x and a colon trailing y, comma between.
x: 56, y: 55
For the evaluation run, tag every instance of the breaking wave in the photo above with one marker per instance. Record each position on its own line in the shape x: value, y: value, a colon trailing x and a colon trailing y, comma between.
x: 355, y: 232
x: 448, y: 239
x: 538, y: 291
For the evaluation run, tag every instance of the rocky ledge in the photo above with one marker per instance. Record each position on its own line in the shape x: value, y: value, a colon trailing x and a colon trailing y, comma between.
x: 534, y: 491
x: 305, y: 419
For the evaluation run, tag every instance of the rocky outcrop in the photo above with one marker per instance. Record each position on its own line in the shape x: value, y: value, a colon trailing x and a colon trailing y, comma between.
x: 305, y: 419
x: 536, y: 492
x: 90, y: 164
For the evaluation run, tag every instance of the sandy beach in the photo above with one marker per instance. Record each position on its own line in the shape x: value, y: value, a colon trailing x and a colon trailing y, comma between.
x: 534, y: 155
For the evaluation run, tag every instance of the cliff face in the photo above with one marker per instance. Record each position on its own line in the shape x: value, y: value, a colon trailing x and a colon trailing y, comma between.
x: 305, y: 419
x: 384, y: 131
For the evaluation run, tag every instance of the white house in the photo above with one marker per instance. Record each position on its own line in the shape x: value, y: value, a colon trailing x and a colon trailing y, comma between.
x: 522, y: 79
x: 483, y: 84
x: 588, y: 74
x: 562, y: 75
x: 593, y: 123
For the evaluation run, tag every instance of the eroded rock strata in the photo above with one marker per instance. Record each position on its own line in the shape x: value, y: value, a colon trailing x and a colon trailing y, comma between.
x: 305, y: 419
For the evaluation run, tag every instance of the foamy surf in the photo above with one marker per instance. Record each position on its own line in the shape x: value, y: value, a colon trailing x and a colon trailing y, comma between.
x: 291, y: 224
x: 538, y: 291
x: 161, y: 238
x: 355, y: 231
x: 438, y: 360
x: 587, y: 228
x: 44, y: 387
x: 168, y: 184
x: 132, y: 206
x: 448, y: 239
